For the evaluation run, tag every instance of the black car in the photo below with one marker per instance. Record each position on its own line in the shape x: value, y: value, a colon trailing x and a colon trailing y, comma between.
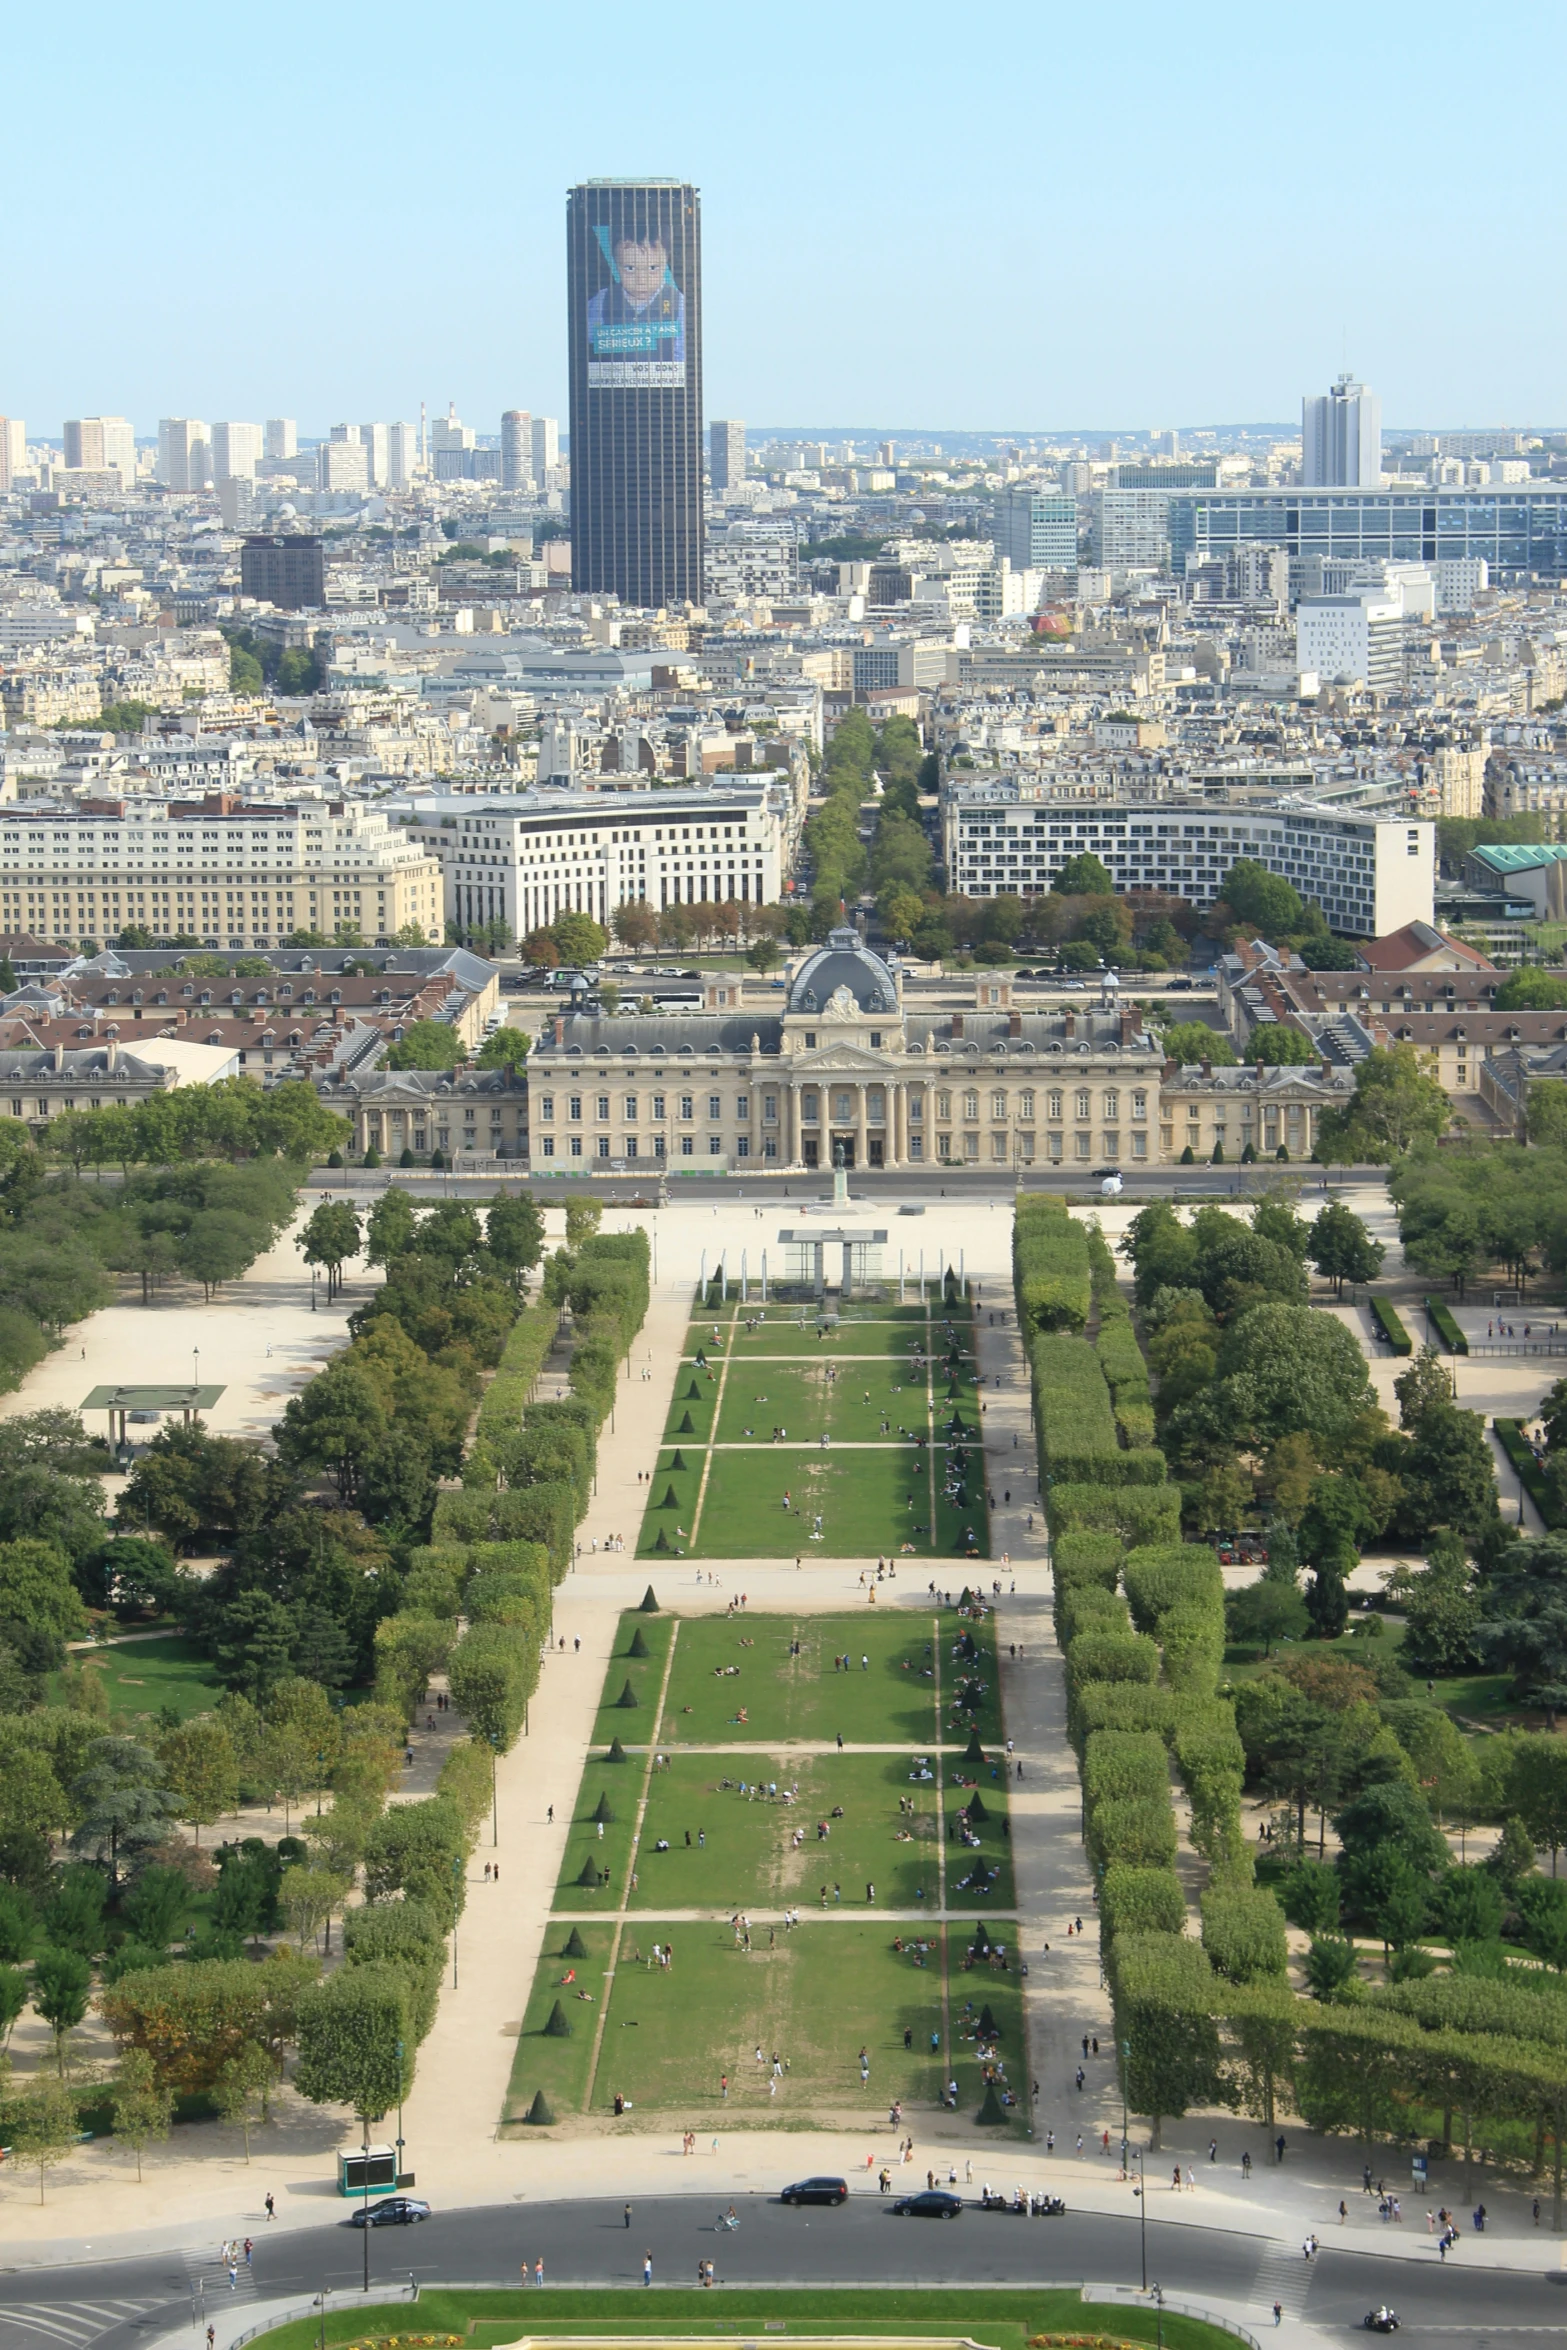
x: 393, y: 2211
x: 816, y: 2191
x: 929, y: 2203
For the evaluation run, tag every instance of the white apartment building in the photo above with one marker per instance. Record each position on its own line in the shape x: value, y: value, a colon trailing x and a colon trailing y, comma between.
x: 1370, y: 874
x: 282, y: 436
x: 236, y: 452
x: 522, y: 861
x: 184, y: 455
x: 1359, y: 637
x: 216, y: 869
x: 101, y: 444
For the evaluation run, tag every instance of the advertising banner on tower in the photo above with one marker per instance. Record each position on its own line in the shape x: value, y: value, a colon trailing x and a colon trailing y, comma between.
x: 636, y: 313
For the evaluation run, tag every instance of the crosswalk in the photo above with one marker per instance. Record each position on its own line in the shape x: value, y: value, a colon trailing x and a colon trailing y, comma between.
x: 1284, y: 2275
x: 207, y: 2273
x: 64, y: 2325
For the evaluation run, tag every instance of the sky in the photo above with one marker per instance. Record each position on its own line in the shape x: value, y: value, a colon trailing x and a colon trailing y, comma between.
x: 1011, y: 218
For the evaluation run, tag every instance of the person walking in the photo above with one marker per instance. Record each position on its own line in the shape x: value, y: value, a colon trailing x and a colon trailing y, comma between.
x: 628, y: 2215
x: 538, y: 2272
x: 1278, y: 2313
x: 271, y: 2208
x: 647, y: 2268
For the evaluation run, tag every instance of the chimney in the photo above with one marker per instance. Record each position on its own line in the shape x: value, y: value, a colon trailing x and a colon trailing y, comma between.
x: 1327, y: 1068
x: 1015, y: 1023
x: 1207, y: 1068
x: 59, y: 1056
x: 1069, y: 1024
x: 560, y: 1029
x: 957, y: 1024
x: 1170, y: 1070
x: 1128, y: 1023
x: 112, y: 1058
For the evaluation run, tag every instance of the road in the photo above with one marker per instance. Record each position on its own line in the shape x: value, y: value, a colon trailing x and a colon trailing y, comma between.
x: 123, y: 2304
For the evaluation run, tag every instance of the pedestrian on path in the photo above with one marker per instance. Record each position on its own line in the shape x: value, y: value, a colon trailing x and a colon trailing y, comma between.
x: 647, y: 2268
x: 271, y: 2208
x: 1278, y: 2313
x: 628, y: 2215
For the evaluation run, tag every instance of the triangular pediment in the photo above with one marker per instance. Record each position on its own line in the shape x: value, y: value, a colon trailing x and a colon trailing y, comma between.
x: 843, y: 1057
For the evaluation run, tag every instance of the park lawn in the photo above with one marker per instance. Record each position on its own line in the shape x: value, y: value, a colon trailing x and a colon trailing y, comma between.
x: 1001, y: 2317
x: 976, y: 1985
x: 994, y: 1849
x: 825, y: 1989
x: 145, y: 1676
x: 621, y: 1785
x: 870, y: 1502
x: 791, y: 1698
x: 749, y: 1860
x: 677, y: 1481
x: 802, y: 1399
x: 956, y: 1521
x: 691, y: 1411
x: 986, y: 1716
x: 896, y: 1341
x: 559, y: 2067
x: 633, y: 1725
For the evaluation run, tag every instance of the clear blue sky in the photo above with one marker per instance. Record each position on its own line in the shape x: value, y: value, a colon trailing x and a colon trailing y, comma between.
x: 1011, y: 216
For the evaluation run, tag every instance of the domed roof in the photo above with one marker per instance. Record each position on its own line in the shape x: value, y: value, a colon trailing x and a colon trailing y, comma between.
x: 843, y: 976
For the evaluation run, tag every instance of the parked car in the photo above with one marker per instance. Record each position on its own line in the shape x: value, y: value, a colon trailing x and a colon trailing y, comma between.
x: 816, y: 2191
x: 929, y: 2203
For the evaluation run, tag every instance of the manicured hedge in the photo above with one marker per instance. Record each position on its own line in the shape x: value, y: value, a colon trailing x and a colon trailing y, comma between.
x: 1088, y: 1607
x: 1138, y: 1513
x: 1136, y: 1900
x: 1160, y: 1576
x: 1446, y: 1327
x: 1192, y: 1637
x: 1139, y: 1830
x: 1243, y: 1933
x: 531, y: 1513
x: 1050, y: 1265
x: 1120, y: 1764
x: 1124, y: 1705
x: 1107, y: 1656
x: 1071, y: 1404
x: 1390, y: 1323
x: 1086, y: 1557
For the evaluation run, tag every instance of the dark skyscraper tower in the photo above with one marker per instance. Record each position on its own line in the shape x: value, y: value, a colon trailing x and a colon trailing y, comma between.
x: 634, y: 305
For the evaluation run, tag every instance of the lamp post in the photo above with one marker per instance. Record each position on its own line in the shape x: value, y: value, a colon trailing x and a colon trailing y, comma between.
x: 1141, y: 2192
x: 364, y: 2185
x: 495, y: 1804
x: 315, y: 1277
x: 397, y: 2176
x: 1126, y: 2064
x: 456, y: 1872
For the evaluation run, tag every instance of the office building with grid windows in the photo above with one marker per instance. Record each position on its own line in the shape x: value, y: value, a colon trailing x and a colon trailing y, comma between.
x: 634, y: 323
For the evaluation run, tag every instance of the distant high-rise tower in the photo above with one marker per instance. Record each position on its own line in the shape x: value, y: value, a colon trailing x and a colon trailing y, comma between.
x: 184, y: 458
x: 13, y: 449
x: 516, y: 450
x: 546, y: 449
x: 101, y: 444
x: 282, y: 437
x: 236, y: 451
x: 634, y: 310
x: 1341, y: 438
x: 374, y: 443
x: 402, y: 455
x: 726, y: 453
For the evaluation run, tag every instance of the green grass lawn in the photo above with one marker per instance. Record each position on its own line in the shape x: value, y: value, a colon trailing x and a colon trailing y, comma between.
x: 790, y: 1697
x: 560, y: 2067
x: 144, y: 1676
x: 870, y: 1503
x: 743, y: 1854
x: 1001, y: 2317
x: 620, y: 1787
x: 865, y: 1402
x: 633, y: 1725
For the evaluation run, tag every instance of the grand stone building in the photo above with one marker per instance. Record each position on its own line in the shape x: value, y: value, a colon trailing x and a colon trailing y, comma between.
x: 846, y: 1073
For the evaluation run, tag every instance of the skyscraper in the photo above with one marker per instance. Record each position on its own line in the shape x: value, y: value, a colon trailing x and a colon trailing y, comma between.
x: 183, y: 455
x: 516, y: 450
x: 1036, y: 530
x: 13, y: 449
x: 546, y: 449
x: 236, y: 452
x: 634, y: 311
x: 101, y: 444
x: 1341, y: 438
x: 726, y: 454
x: 282, y: 437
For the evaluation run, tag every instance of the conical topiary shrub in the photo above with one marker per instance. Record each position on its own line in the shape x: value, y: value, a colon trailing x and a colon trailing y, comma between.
x: 602, y: 1813
x: 679, y: 1460
x: 973, y: 1752
x: 987, y: 2022
x: 617, y: 1752
x: 559, y: 2025
x: 965, y: 1597
x: 650, y: 1596
x: 574, y: 1946
x: 663, y: 1540
x: 981, y: 1941
x: 992, y: 2110
x: 540, y: 2112
x: 590, y: 1872
x: 687, y: 1426
x: 671, y: 1500
x: 975, y: 1808
x: 639, y: 1646
x: 628, y: 1698
x: 693, y: 1393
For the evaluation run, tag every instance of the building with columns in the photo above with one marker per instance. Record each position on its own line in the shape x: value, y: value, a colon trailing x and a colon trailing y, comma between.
x: 846, y: 1073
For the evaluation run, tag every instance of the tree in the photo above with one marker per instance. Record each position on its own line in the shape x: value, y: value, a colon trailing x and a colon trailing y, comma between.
x: 508, y: 1047
x: 1523, y: 1626
x: 333, y: 1424
x: 578, y: 938
x: 1537, y: 1791
x: 39, y: 1607
x: 390, y: 1227
x: 427, y: 1044
x: 1547, y: 1113
x: 1441, y: 1608
x: 243, y: 2080
x: 1282, y: 1369
x: 1330, y: 1963
x: 62, y: 1980
x: 763, y: 954
x: 201, y: 1770
x: 1261, y: 900
x: 356, y: 2041
x: 1083, y: 876
x: 1264, y: 1612
x: 1189, y: 1041
x: 1341, y: 1247
x: 124, y: 1806
x: 1395, y: 1106
x: 540, y: 949
x: 43, y: 2128
x: 584, y: 1214
x: 332, y: 1235
x: 635, y: 926
x: 514, y: 1235
x: 156, y: 1905
x: 1531, y: 988
x: 1281, y: 1047
x: 142, y: 2107
x: 218, y: 1246
x: 307, y: 1898
x: 252, y: 1645
x: 32, y: 1800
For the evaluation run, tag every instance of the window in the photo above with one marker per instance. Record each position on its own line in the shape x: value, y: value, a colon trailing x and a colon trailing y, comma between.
x: 770, y: 1109
x: 631, y: 1107
x: 1112, y: 1103
x: 840, y: 1106
x: 998, y: 1147
x: 631, y: 1146
x: 604, y: 1106
x: 971, y: 1105
x: 876, y: 1039
x: 742, y: 1105
x: 574, y: 1107
x: 916, y: 1109
x: 1055, y: 1105
x: 943, y: 1105
x: 743, y: 1147
x: 715, y: 1108
x: 546, y: 1105
x: 1112, y: 1143
x: 658, y: 1105
x: 658, y: 1146
x: 1139, y: 1105
x: 576, y: 1146
x: 1139, y: 1146
x: 943, y: 1146
x: 808, y: 1109
x: 1084, y: 1144
x: 687, y: 1146
x: 1025, y: 1102
x: 687, y: 1106
x: 547, y: 1146
x: 1084, y: 1106
x: 603, y: 1146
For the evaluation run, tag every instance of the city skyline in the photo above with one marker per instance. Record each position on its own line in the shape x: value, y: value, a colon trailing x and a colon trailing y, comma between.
x: 1059, y: 291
